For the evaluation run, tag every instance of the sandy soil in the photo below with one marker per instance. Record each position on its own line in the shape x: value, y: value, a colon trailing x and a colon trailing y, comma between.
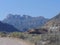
x: 13, y: 41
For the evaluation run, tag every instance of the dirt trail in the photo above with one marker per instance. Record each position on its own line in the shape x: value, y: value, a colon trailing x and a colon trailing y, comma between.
x: 13, y: 41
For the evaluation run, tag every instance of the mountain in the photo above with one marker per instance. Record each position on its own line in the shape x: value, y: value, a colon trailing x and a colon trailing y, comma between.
x: 7, y: 28
x: 55, y: 21
x: 25, y: 22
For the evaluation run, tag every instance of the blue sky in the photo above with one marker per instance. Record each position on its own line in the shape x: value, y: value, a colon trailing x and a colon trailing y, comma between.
x: 46, y: 8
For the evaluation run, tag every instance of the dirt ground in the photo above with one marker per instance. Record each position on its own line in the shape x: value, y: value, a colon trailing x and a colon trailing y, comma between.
x: 13, y: 41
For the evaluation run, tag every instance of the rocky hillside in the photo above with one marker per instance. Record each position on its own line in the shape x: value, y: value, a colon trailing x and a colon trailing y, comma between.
x: 25, y: 22
x: 55, y: 21
x: 7, y: 28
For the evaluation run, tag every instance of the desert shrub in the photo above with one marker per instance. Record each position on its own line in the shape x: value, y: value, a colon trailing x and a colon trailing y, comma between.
x: 54, y: 38
x: 18, y: 35
x: 30, y: 37
x: 3, y: 34
x: 14, y: 34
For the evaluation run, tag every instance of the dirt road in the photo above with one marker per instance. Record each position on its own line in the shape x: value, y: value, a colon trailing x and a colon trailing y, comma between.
x: 12, y: 41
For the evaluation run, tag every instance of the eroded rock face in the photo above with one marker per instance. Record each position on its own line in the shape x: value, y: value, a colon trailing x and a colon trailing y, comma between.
x: 37, y: 31
x: 25, y: 22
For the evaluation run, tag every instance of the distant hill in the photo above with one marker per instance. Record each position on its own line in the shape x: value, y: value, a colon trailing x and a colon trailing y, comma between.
x: 7, y: 28
x: 55, y: 21
x: 25, y: 22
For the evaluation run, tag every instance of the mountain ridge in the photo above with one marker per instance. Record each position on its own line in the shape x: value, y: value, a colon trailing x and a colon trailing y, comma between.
x: 24, y: 22
x: 4, y: 27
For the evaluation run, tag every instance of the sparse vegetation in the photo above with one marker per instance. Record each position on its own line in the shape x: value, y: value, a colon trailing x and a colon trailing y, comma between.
x: 34, y: 38
x: 3, y: 34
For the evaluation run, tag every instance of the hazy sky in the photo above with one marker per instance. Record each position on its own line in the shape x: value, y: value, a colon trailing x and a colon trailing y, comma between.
x: 46, y: 8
